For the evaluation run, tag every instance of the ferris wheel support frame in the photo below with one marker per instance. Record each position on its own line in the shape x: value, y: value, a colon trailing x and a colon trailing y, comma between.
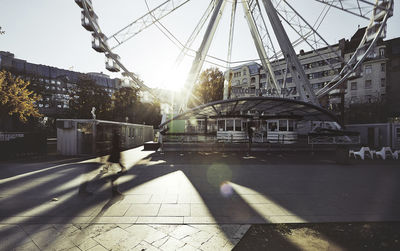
x: 201, y: 54
x: 296, y: 69
x: 260, y: 47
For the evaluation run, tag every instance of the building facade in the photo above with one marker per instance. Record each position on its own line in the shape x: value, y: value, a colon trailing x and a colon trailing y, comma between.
x: 376, y: 80
x: 53, y: 84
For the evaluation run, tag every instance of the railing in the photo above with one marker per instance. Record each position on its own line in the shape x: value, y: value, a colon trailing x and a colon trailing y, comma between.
x: 333, y: 140
x: 189, y: 137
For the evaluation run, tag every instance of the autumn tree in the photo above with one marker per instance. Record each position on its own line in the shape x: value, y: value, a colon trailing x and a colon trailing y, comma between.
x: 210, y: 87
x: 87, y: 94
x: 16, y: 99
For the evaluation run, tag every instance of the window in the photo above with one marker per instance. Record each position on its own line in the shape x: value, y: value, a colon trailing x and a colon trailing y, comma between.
x: 244, y: 72
x: 368, y: 98
x: 238, y: 125
x: 253, y: 80
x: 383, y: 67
x: 383, y: 82
x: 229, y: 125
x: 244, y: 81
x: 382, y: 52
x: 291, y: 125
x: 368, y: 84
x: 53, y: 81
x: 283, y: 125
x: 221, y: 125
x: 353, y: 86
x: 368, y: 69
x: 272, y: 126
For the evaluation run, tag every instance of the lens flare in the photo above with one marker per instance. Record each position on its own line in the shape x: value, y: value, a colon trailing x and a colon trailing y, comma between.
x: 226, y: 189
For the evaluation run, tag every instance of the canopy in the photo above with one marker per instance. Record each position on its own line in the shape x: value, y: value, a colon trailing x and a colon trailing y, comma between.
x: 258, y: 108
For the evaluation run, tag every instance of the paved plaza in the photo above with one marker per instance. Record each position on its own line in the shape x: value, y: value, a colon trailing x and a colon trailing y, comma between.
x: 185, y: 200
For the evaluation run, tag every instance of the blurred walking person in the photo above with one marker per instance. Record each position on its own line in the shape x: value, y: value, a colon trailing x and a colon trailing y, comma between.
x: 115, y: 155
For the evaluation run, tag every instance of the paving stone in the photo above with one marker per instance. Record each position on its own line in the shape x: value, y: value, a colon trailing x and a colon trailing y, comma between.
x: 167, y: 229
x: 199, y: 210
x: 188, y: 247
x: 146, y: 233
x: 184, y: 198
x: 216, y: 242
x: 125, y: 225
x: 115, y: 220
x: 51, y: 240
x: 143, y: 210
x: 212, y: 229
x: 31, y: 246
x: 197, y: 239
x: 88, y: 244
x: 144, y: 246
x: 172, y: 244
x: 117, y: 210
x: 183, y: 231
x: 241, y: 231
x: 170, y: 198
x: 199, y: 220
x: 160, y: 242
x: 65, y: 229
x: 112, y: 237
x: 156, y: 198
x: 73, y: 249
x: 34, y: 228
x: 229, y: 230
x: 160, y: 220
x: 137, y: 198
x: 98, y: 248
x: 174, y: 210
x: 94, y: 230
x: 13, y: 235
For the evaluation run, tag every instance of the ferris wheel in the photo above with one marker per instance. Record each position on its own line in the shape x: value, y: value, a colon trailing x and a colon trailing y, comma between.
x: 277, y: 28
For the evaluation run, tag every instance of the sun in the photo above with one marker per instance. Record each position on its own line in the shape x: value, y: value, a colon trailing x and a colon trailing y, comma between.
x: 172, y: 78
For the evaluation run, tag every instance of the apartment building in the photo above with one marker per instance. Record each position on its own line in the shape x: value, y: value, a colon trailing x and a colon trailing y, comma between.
x: 53, y: 83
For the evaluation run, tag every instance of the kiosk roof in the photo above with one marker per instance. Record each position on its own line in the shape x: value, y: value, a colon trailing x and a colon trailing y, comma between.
x: 258, y: 107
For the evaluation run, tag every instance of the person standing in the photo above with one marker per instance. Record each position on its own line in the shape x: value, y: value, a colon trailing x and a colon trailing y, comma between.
x: 250, y: 135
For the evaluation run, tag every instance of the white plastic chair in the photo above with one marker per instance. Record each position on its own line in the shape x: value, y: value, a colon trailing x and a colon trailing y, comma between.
x: 364, y: 152
x: 385, y: 152
x: 396, y: 154
x: 382, y: 153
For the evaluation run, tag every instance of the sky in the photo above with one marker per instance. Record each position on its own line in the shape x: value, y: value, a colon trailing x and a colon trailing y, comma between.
x: 49, y: 32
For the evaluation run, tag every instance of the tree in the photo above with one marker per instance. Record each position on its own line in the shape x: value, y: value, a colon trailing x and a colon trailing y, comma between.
x: 16, y: 98
x: 210, y: 86
x: 148, y: 113
x: 87, y: 95
x: 124, y: 102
